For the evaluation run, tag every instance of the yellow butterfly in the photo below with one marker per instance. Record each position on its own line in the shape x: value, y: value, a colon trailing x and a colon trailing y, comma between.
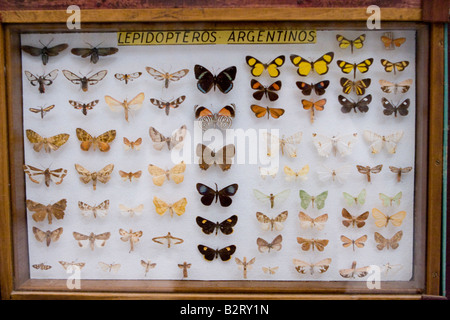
x: 320, y: 65
x: 126, y: 105
x: 348, y: 67
x: 382, y: 220
x: 294, y: 175
x: 178, y: 207
x: 258, y: 67
x: 358, y: 43
x: 389, y: 66
x: 49, y: 144
x: 160, y: 175
x: 359, y: 86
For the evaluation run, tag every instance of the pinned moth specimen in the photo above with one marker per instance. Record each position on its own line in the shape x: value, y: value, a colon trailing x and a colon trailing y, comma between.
x: 265, y: 246
x: 271, y: 198
x: 178, y: 207
x: 109, y: 267
x: 103, y: 176
x: 307, y: 244
x: 100, y: 210
x: 101, y: 142
x: 319, y: 267
x: 92, y: 240
x: 159, y: 175
x: 222, y: 119
x: 342, y: 144
x: 127, y: 76
x: 270, y: 270
x: 84, y: 81
x: 388, y: 268
x: 184, y: 266
x: 72, y: 266
x: 313, y: 106
x: 125, y: 105
x: 347, y: 67
x: 223, y: 195
x: 377, y: 141
x: 390, y: 42
x: 175, y: 141
x: 360, y: 199
x: 84, y: 107
x: 318, y: 200
x: 167, y: 105
x: 50, y: 211
x: 42, y: 266
x: 130, y: 176
x: 210, y: 254
x: 209, y: 227
x: 271, y: 224
x: 271, y: 112
x: 348, y: 105
x: 57, y: 175
x: 389, y: 201
x: 131, y: 212
x: 147, y: 266
x: 47, y: 236
x: 308, y: 222
x: 399, y: 171
x: 132, y: 145
x: 94, y: 52
x: 245, y: 265
x: 367, y: 170
x: 285, y: 144
x: 166, y: 76
x: 357, y: 43
x: 168, y: 240
x: 340, y: 174
x: 292, y: 175
x: 132, y: 237
x: 222, y: 158
x: 49, y: 144
x: 400, y: 87
x: 350, y: 220
x: 268, y: 171
x: 359, y: 243
x: 395, y: 66
x: 358, y: 86
x: 41, y: 110
x: 388, y: 243
x: 382, y: 220
x: 46, y: 52
x: 390, y: 108
x: 354, y: 272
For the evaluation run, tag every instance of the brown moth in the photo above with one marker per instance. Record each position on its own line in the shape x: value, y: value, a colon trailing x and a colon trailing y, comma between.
x: 104, y: 175
x: 51, y: 210
x: 388, y: 243
x: 367, y: 170
x: 125, y: 105
x: 49, y: 144
x: 132, y: 145
x: 313, y: 268
x: 109, y: 267
x: 42, y: 266
x: 101, y: 142
x: 399, y: 171
x: 84, y: 107
x: 47, y: 236
x: 99, y: 210
x: 84, y: 81
x: 222, y: 157
x: 245, y: 265
x: 166, y: 76
x: 132, y: 237
x: 71, y: 266
x: 184, y: 266
x: 350, y: 220
x: 347, y: 242
x: 57, y: 175
x: 307, y: 244
x: 265, y: 246
x: 147, y: 265
x: 168, y: 240
x: 41, y: 110
x: 272, y: 223
x: 92, y: 239
x: 129, y: 176
x: 175, y: 141
x: 353, y: 271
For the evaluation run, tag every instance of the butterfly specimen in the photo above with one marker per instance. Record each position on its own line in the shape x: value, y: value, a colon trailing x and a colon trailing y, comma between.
x: 71, y: 266
x: 388, y: 243
x: 390, y: 268
x: 361, y: 105
x: 377, y: 141
x: 49, y: 144
x: 307, y: 244
x: 147, y: 266
x: 41, y: 110
x: 50, y: 211
x: 57, y: 175
x: 206, y: 80
x: 400, y: 87
x: 308, y: 222
x: 130, y: 176
x: 184, y: 266
x: 347, y: 67
x: 357, y: 43
x: 43, y: 81
x: 268, y: 171
x: 101, y: 142
x: 168, y: 240
x: 396, y: 66
x: 84, y: 107
x: 389, y: 108
x: 307, y: 89
x: 258, y: 67
x: 319, y: 200
x: 342, y: 144
x: 340, y: 174
x: 47, y: 236
x: 132, y: 145
x: 318, y: 267
x: 272, y: 223
x: 178, y: 207
x: 103, y: 176
x: 400, y: 171
x: 390, y: 42
x: 100, y: 210
x: 167, y: 105
x: 261, y: 111
x: 270, y: 270
x: 42, y: 266
x: 94, y: 52
x: 176, y: 140
x: 264, y: 246
x: 125, y: 105
x: 109, y: 267
x: 223, y: 119
x: 382, y: 220
x: 210, y: 254
x: 84, y: 81
x: 389, y: 201
x: 359, y: 243
x: 165, y: 76
x: 208, y: 227
x: 353, y: 271
x: 268, y: 91
x: 46, y: 51
x: 350, y: 220
x: 313, y: 106
x: 132, y: 237
x: 131, y: 212
x: 92, y: 240
x: 159, y: 175
x: 296, y: 175
x: 358, y: 86
x: 271, y: 198
x: 360, y: 199
x: 223, y: 195
x: 244, y: 265
x: 287, y: 144
x: 223, y: 157
x: 367, y: 170
x: 320, y: 65
x: 127, y: 76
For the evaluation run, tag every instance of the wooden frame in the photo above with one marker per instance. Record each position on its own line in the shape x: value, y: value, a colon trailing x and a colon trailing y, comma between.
x: 15, y: 282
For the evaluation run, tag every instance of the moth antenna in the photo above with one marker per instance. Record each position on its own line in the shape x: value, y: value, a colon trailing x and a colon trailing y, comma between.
x: 98, y: 44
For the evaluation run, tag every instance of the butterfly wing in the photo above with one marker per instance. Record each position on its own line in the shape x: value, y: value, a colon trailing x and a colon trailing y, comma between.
x: 321, y: 64
x: 158, y: 174
x: 205, y: 78
x: 176, y: 174
x: 224, y: 80
x: 208, y: 194
x: 226, y: 193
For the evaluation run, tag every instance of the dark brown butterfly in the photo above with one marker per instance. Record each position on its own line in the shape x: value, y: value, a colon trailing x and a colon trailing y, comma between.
x: 389, y: 108
x: 211, y: 254
x: 43, y: 111
x: 209, y: 194
x: 84, y: 107
x: 223, y: 157
x: 206, y: 80
x: 367, y: 170
x: 94, y: 52
x: 127, y: 76
x: 44, y: 80
x: 168, y: 104
x: 226, y: 226
x: 362, y: 105
x: 267, y: 91
x: 45, y: 52
x: 319, y: 87
x: 84, y: 81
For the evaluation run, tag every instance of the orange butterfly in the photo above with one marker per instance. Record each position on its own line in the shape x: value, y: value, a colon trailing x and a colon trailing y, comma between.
x: 318, y: 105
x: 261, y: 111
x: 347, y: 242
x: 133, y: 145
x: 130, y: 175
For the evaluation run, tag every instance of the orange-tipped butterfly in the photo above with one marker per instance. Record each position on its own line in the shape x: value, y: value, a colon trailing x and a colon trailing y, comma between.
x: 318, y: 105
x: 267, y: 91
